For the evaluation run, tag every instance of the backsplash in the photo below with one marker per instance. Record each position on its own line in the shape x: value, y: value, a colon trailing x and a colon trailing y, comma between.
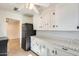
x: 64, y: 34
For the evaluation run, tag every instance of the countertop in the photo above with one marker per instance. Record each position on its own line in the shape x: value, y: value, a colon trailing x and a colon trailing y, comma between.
x: 61, y: 41
x: 3, y: 38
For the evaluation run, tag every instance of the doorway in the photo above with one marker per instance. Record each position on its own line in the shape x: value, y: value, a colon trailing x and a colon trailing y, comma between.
x: 13, y: 33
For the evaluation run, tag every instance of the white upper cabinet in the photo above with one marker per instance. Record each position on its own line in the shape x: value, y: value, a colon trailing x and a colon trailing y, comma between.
x: 59, y: 17
x: 45, y: 20
x: 66, y: 16
x: 35, y: 22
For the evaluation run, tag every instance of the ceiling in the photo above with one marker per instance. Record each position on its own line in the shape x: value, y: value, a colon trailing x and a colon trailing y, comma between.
x: 23, y: 10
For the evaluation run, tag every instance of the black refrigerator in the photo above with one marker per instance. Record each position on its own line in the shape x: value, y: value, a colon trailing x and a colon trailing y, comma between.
x: 27, y: 32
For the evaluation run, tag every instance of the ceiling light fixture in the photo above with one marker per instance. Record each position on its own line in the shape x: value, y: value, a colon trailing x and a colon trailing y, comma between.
x: 29, y: 6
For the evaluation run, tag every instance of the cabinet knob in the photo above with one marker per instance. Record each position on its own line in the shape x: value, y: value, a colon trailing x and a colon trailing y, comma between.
x: 53, y: 26
x: 52, y: 51
x: 77, y: 27
x: 53, y: 13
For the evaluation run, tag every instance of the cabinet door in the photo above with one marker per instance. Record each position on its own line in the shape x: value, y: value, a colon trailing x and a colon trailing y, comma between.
x: 38, y: 22
x: 66, y: 16
x: 51, y: 52
x: 45, y: 20
x: 52, y: 17
x: 43, y: 50
x: 48, y: 18
x: 35, y: 45
x: 35, y: 18
x: 41, y: 22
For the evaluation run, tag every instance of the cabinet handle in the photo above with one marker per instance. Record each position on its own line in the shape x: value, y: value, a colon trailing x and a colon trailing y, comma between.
x: 53, y: 26
x: 53, y: 13
x: 52, y: 51
x: 56, y: 52
x: 77, y: 27
x: 64, y: 49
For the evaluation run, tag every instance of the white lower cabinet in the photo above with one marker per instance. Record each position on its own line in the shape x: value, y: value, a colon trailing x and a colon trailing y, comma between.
x: 42, y: 48
x: 38, y: 47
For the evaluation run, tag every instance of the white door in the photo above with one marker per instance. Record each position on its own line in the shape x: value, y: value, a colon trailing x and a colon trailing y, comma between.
x: 66, y: 16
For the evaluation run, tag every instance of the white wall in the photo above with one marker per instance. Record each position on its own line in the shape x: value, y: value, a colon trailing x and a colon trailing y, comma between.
x: 63, y: 34
x: 3, y: 16
x: 12, y: 15
x: 27, y: 19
